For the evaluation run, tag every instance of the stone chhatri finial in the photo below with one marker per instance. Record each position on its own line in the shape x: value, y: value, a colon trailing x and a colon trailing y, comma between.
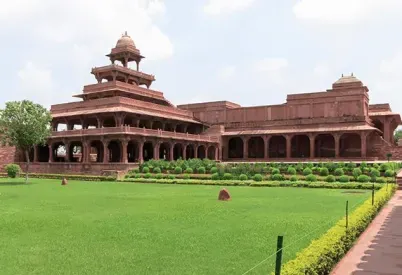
x: 352, y: 73
x: 125, y: 33
x: 342, y: 75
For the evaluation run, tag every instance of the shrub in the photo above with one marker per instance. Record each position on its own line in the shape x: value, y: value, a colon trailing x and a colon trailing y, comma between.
x: 147, y: 176
x: 257, y: 177
x: 357, y: 172
x: 293, y: 178
x: 201, y: 170
x: 13, y: 170
x: 330, y: 178
x: 186, y: 176
x: 277, y: 177
x: 389, y: 173
x: 307, y: 171
x: 156, y: 170
x: 243, y: 177
x: 145, y: 169
x: 227, y: 176
x: 275, y: 171
x: 311, y: 178
x: 352, y: 165
x: 189, y: 170
x: 291, y: 171
x: 338, y: 172
x: 171, y: 177
x: 324, y: 171
x: 178, y: 170
x: 363, y: 178
x: 384, y: 167
x: 135, y: 171
x: 215, y: 176
x: 374, y: 173
x: 158, y: 176
x: 213, y: 170
x: 344, y: 178
x: 380, y: 180
x: 137, y: 176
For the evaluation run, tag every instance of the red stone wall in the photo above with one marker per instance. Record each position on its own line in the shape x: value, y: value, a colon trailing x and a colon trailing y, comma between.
x: 378, y: 147
x: 7, y: 155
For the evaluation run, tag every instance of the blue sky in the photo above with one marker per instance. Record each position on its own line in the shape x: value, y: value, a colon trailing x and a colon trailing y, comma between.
x: 252, y: 52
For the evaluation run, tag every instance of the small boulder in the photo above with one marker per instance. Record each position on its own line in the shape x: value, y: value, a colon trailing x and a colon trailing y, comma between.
x: 64, y: 181
x: 224, y: 195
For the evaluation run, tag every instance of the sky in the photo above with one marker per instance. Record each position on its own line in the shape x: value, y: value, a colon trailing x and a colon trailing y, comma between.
x: 251, y: 52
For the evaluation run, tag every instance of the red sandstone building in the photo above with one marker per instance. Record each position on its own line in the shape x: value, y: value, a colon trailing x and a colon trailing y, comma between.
x: 121, y: 122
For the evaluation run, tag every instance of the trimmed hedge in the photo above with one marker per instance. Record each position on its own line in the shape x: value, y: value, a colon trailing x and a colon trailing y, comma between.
x: 324, y: 253
x: 72, y: 177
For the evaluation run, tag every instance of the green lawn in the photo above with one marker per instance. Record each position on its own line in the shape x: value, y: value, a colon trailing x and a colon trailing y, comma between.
x: 125, y: 228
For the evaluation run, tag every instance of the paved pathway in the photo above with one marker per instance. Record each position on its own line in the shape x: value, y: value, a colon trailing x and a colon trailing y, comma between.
x: 379, y: 248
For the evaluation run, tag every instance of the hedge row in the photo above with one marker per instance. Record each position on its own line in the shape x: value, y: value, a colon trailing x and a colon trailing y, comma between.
x: 324, y: 253
x: 73, y: 177
x: 334, y: 185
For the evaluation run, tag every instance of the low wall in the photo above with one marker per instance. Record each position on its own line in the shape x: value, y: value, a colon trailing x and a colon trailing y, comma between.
x: 378, y: 147
x: 7, y: 155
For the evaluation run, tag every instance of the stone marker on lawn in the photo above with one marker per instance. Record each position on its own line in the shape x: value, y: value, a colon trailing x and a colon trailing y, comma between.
x: 64, y: 181
x: 224, y: 195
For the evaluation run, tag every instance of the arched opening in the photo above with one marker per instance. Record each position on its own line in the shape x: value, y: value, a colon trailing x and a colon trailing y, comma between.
x: 324, y: 146
x: 75, y: 124
x: 177, y: 151
x: 211, y: 152
x: 193, y: 129
x: 90, y: 123
x: 43, y: 153
x: 164, y: 151
x: 380, y: 126
x: 144, y: 124
x: 277, y: 147
x: 157, y: 125
x: 350, y: 145
x: 201, y: 152
x: 59, y: 152
x: 61, y: 127
x: 76, y: 151
x: 148, y: 151
x: 109, y: 122
x: 180, y: 128
x: 132, y: 151
x: 190, y: 152
x: 235, y: 148
x: 300, y: 146
x: 169, y: 127
x: 129, y: 121
x: 96, y: 151
x: 256, y: 147
x: 115, y: 151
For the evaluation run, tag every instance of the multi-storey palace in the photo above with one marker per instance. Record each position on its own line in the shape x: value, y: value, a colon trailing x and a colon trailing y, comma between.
x: 121, y: 122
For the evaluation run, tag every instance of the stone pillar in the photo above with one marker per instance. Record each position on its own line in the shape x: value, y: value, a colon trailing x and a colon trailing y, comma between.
x: 105, y: 152
x: 245, y: 147
x: 337, y: 137
x: 124, y: 144
x: 312, y: 146
x: 266, y: 147
x: 100, y: 122
x: 184, y: 151
x: 387, y: 130
x: 35, y: 153
x: 67, y: 157
x: 50, y: 153
x: 156, y: 150
x: 289, y: 146
x: 206, y: 151
x: 363, y: 144
x: 171, y: 151
x: 196, y: 151
x: 217, y: 157
x: 141, y: 151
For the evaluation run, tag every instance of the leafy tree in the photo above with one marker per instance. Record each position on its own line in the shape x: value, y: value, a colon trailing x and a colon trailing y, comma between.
x: 24, y: 124
x: 398, y: 135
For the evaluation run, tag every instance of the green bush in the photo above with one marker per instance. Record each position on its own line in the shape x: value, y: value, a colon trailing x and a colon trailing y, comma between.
x: 307, y: 171
x: 292, y: 171
x: 324, y: 171
x: 156, y: 170
x: 145, y: 169
x: 330, y: 178
x: 384, y: 167
x: 171, y: 177
x: 13, y: 170
x: 374, y: 173
x: 363, y: 178
x: 356, y: 172
x: 277, y: 177
x: 227, y: 176
x: 243, y: 177
x: 311, y: 178
x: 293, y: 178
x: 178, y: 170
x: 380, y: 180
x: 275, y: 171
x: 389, y: 173
x: 201, y: 170
x: 352, y: 165
x: 158, y: 176
x: 344, y: 178
x: 257, y: 177
x: 189, y: 170
x: 338, y: 172
x: 213, y: 170
x: 186, y: 176
x: 215, y: 176
x: 323, y: 254
x: 147, y: 176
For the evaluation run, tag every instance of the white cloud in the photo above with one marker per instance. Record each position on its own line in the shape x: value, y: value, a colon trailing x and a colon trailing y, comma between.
x: 344, y: 11
x: 271, y: 64
x: 216, y: 7
x: 226, y: 72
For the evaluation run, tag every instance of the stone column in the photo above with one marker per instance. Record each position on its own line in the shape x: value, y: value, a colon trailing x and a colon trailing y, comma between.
x: 289, y: 146
x: 105, y: 152
x: 196, y: 151
x: 100, y: 122
x: 171, y: 151
x: 245, y: 147
x: 206, y: 151
x: 156, y: 150
x: 67, y: 146
x: 266, y: 147
x: 141, y: 151
x: 337, y: 138
x: 217, y: 157
x: 124, y: 144
x: 50, y: 153
x: 35, y: 153
x: 312, y: 146
x: 363, y: 144
x: 184, y: 151
x: 387, y: 130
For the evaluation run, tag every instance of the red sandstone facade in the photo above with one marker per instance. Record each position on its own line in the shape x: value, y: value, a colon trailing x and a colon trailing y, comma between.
x: 122, y: 122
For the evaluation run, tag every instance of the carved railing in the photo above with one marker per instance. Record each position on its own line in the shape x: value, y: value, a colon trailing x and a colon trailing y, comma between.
x: 118, y: 84
x: 124, y: 70
x: 135, y: 131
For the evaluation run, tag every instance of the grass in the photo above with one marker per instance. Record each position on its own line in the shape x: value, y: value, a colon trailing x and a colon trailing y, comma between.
x: 125, y: 228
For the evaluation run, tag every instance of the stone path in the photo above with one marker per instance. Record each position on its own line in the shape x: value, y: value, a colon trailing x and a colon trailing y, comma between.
x: 379, y: 248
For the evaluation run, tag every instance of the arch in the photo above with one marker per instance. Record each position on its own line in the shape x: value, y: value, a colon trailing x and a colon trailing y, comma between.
x: 164, y: 151
x: 61, y: 127
x: 129, y: 121
x: 169, y: 127
x: 148, y: 151
x: 43, y: 153
x: 277, y: 147
x: 76, y: 151
x: 177, y: 151
x: 96, y: 151
x: 324, y: 146
x: 300, y: 146
x: 59, y: 152
x: 256, y: 147
x: 190, y: 151
x: 75, y: 124
x: 193, y: 129
x: 350, y: 145
x: 115, y: 151
x: 235, y: 149
x: 144, y: 124
x: 109, y: 122
x: 90, y: 123
x: 201, y: 152
x: 157, y: 125
x: 180, y: 128
x: 211, y: 152
x: 379, y: 125
x: 132, y: 151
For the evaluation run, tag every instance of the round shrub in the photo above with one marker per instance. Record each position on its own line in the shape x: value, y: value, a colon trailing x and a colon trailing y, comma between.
x: 186, y: 176
x: 189, y: 170
x: 13, y: 170
x: 135, y: 171
x: 277, y: 177
x: 215, y: 176
x: 145, y: 169
x: 156, y: 170
x: 330, y: 178
x: 363, y: 178
x: 357, y: 172
x: 384, y: 167
x: 374, y: 173
x: 338, y: 172
x: 227, y: 176
x: 293, y: 178
x: 389, y: 173
x: 344, y: 178
x: 137, y: 176
x: 178, y: 170
x: 311, y: 178
x: 243, y: 177
x: 307, y: 171
x: 380, y: 180
x: 158, y: 176
x: 324, y: 171
x: 291, y: 171
x: 147, y: 176
x: 352, y: 165
x: 171, y: 177
x: 275, y: 171
x: 201, y: 170
x: 214, y: 170
x: 257, y: 177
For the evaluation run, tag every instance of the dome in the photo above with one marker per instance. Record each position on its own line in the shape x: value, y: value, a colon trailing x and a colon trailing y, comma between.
x: 124, y: 41
x: 347, y: 79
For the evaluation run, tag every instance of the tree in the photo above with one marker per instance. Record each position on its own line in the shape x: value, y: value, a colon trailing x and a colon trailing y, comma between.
x: 398, y: 135
x: 24, y: 124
